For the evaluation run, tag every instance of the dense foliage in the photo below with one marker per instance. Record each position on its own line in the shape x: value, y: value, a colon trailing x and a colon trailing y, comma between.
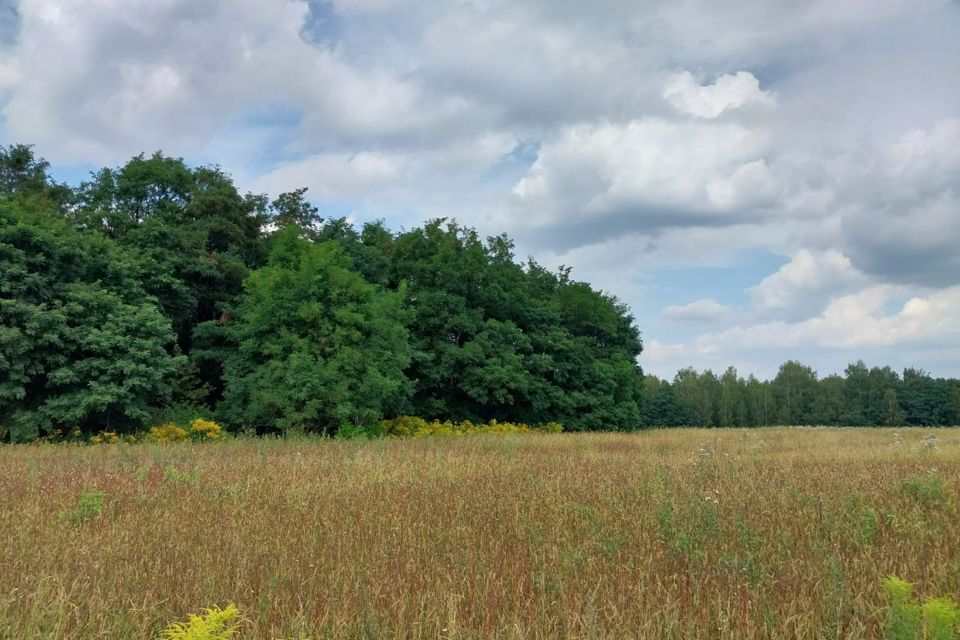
x: 877, y: 396
x: 156, y: 291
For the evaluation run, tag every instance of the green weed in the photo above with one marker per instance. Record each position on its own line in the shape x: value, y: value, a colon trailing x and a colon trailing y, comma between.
x: 928, y: 490
x: 935, y: 619
x: 89, y: 507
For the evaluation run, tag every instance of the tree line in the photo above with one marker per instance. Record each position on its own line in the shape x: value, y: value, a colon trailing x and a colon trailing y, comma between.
x: 862, y: 396
x: 156, y: 291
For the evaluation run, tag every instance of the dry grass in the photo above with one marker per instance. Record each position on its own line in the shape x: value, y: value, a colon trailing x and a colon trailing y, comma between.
x: 768, y: 533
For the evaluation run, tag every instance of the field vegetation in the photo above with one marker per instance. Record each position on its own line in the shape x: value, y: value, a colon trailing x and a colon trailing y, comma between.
x: 681, y: 533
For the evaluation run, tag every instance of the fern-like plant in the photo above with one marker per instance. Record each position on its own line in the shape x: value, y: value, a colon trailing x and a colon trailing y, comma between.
x: 935, y: 619
x: 941, y: 619
x: 213, y: 624
x: 903, y: 616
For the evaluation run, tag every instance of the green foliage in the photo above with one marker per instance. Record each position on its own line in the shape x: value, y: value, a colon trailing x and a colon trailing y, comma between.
x: 89, y: 507
x: 24, y: 177
x: 80, y: 342
x: 492, y: 339
x: 176, y: 477
x: 863, y: 396
x: 934, y: 619
x: 317, y: 347
x: 869, y: 524
x: 193, y: 239
x: 927, y: 489
x: 212, y: 624
x: 941, y: 619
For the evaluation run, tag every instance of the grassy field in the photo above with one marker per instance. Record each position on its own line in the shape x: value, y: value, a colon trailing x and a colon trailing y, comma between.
x: 766, y: 533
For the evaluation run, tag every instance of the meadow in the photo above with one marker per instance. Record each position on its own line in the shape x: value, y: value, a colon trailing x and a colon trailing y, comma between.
x: 681, y: 533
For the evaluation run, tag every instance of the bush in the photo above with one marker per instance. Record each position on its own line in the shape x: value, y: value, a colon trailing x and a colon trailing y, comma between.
x: 212, y: 624
x: 935, y: 619
x: 928, y: 490
x: 201, y: 430
x: 105, y: 437
x: 412, y: 426
x: 166, y: 432
x: 89, y: 507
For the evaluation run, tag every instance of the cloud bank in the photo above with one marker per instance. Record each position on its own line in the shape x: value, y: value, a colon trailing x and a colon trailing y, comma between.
x: 756, y: 181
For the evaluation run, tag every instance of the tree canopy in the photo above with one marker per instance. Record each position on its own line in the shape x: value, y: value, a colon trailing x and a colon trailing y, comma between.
x: 156, y: 284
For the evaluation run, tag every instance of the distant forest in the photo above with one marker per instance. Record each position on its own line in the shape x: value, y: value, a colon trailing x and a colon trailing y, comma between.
x: 156, y: 291
x: 863, y: 396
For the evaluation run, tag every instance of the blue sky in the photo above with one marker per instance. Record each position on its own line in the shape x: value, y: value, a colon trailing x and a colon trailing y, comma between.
x: 758, y: 181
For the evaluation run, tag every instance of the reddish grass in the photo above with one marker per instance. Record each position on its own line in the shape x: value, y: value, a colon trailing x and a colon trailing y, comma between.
x: 766, y: 533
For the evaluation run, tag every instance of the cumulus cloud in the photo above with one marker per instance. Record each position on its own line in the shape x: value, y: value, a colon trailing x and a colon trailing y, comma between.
x: 137, y: 75
x: 623, y: 138
x: 594, y: 181
x: 802, y: 286
x: 855, y: 321
x: 729, y: 92
x: 900, y: 218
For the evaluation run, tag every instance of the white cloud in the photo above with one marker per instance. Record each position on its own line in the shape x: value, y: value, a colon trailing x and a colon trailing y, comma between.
x: 665, y: 135
x: 931, y: 155
x: 729, y: 92
x: 385, y: 178
x: 802, y: 286
x: 137, y: 75
x: 900, y: 217
x: 702, y: 311
x: 656, y: 352
x: 646, y: 174
x: 858, y: 320
x: 334, y: 176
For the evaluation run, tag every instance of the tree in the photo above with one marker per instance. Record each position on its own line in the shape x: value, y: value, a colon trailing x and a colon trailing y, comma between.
x: 293, y: 209
x: 893, y: 414
x: 856, y: 394
x: 24, y: 176
x: 661, y: 408
x: 494, y: 339
x: 759, y: 401
x: 828, y: 405
x: 732, y: 410
x: 700, y: 395
x: 794, y: 390
x: 81, y: 344
x: 194, y: 236
x: 316, y: 346
x: 193, y: 239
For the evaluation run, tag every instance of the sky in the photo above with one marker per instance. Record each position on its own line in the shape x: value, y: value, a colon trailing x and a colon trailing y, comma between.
x: 758, y: 181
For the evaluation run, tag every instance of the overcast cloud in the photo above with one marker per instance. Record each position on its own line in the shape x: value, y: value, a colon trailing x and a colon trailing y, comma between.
x: 759, y: 181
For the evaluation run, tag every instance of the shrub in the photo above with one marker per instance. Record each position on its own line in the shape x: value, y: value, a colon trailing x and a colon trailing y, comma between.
x: 928, y: 489
x: 212, y: 624
x: 412, y: 426
x: 89, y: 507
x: 935, y: 619
x: 105, y: 437
x: 941, y: 619
x: 167, y: 432
x: 201, y: 429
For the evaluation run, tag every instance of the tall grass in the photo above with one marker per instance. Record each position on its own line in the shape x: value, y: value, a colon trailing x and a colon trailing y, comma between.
x: 767, y: 533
